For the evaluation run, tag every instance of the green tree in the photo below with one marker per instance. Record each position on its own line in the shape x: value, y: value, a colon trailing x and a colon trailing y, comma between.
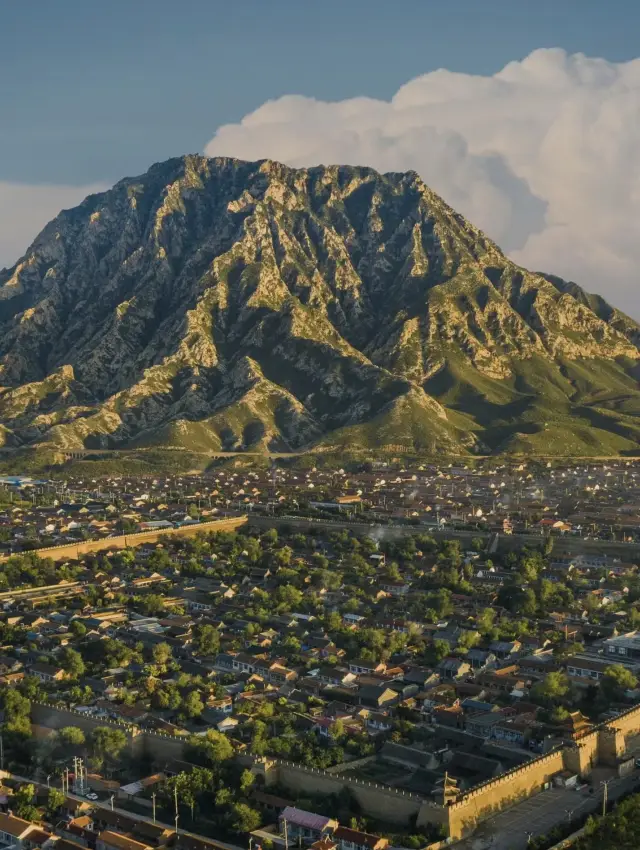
x: 485, y: 620
x: 270, y: 537
x: 243, y: 818
x: 55, y: 801
x: 162, y: 654
x: 246, y: 781
x: 23, y: 803
x: 207, y: 640
x: 77, y: 628
x: 192, y: 705
x: 439, y: 650
x: 288, y: 596
x: 71, y: 662
x: 616, y: 681
x: 17, y: 713
x: 107, y: 742
x: 71, y: 736
x: 554, y: 687
x: 213, y: 747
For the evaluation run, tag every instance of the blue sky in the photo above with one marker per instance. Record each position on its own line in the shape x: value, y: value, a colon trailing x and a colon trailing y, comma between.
x: 539, y: 147
x: 91, y: 91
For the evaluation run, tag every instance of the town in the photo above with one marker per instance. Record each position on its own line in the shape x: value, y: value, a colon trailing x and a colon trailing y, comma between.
x: 348, y: 658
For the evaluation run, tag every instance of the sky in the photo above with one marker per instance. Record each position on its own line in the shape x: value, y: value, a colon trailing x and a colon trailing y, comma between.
x: 523, y: 114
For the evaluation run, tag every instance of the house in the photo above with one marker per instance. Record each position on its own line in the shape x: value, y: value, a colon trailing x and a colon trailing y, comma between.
x: 395, y: 588
x: 625, y: 646
x: 303, y: 826
x: 352, y: 620
x: 377, y: 722
x: 334, y: 676
x: 515, y: 730
x: 453, y: 668
x: 376, y: 696
x: 47, y: 672
x: 505, y: 648
x: 15, y: 832
x: 360, y: 665
x: 353, y: 839
x: 108, y: 840
x: 481, y: 658
x: 420, y: 676
x: 584, y: 670
x: 483, y: 724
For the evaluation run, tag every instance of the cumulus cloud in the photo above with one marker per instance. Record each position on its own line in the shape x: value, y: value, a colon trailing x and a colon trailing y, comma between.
x: 25, y: 209
x: 544, y: 156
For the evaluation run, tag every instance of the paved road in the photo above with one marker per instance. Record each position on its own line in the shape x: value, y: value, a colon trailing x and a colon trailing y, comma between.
x: 127, y: 813
x: 510, y: 829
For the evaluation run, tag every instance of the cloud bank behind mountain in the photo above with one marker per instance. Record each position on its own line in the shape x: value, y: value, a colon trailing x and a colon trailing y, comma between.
x: 25, y: 209
x: 544, y: 156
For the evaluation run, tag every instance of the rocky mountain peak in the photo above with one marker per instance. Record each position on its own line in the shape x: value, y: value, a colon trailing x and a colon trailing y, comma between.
x: 216, y: 303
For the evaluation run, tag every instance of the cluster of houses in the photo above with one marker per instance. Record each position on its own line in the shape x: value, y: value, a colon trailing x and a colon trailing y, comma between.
x: 79, y: 824
x: 597, y: 500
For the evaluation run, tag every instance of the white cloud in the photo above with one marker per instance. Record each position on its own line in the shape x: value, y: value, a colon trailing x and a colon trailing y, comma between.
x: 544, y: 156
x: 25, y: 209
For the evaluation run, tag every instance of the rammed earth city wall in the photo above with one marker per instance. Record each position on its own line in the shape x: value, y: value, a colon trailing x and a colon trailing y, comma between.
x: 76, y: 550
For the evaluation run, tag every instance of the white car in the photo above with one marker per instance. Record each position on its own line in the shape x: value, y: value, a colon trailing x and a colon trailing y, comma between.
x: 91, y: 795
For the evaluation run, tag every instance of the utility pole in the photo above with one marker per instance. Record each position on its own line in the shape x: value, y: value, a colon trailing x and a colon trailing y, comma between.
x: 286, y: 834
x: 605, y: 795
x: 175, y: 798
x: 153, y: 802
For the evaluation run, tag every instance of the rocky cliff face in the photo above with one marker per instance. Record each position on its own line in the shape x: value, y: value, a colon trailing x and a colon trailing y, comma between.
x: 214, y: 303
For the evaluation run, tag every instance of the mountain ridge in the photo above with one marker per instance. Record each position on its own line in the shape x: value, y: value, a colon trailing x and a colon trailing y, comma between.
x: 229, y: 304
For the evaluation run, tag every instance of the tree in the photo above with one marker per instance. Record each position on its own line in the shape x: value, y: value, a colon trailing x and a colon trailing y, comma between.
x: 152, y: 605
x: 485, y: 620
x: 270, y: 537
x: 162, y: 654
x: 207, y: 640
x: 192, y: 705
x: 17, y: 713
x: 106, y: 741
x: 554, y: 687
x: 31, y: 688
x: 77, y: 628
x: 23, y: 802
x: 468, y: 639
x: 616, y: 680
x: 288, y: 596
x: 246, y: 781
x: 71, y: 736
x: 214, y: 747
x: 439, y: 650
x: 243, y: 818
x: 71, y: 662
x: 55, y: 801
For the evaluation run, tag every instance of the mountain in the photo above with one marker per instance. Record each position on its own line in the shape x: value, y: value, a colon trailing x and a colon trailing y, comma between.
x: 220, y: 304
